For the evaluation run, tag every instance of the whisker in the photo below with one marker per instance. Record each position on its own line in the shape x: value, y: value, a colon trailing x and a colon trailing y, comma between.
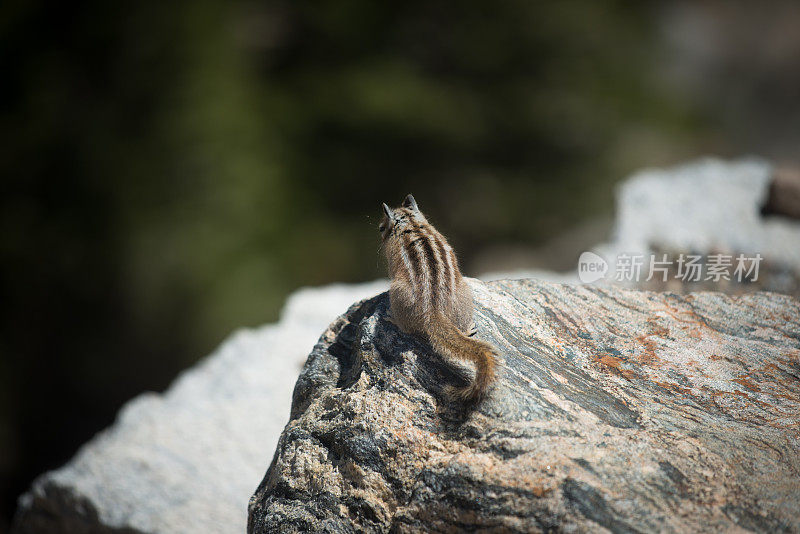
x: 378, y: 256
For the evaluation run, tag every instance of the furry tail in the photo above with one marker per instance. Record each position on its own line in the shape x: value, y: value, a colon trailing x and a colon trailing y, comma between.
x: 450, y: 342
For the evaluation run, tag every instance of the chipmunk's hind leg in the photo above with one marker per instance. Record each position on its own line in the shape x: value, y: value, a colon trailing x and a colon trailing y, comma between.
x: 390, y: 319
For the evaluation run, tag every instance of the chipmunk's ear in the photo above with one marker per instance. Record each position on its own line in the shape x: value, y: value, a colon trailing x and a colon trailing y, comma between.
x: 388, y: 211
x: 409, y: 202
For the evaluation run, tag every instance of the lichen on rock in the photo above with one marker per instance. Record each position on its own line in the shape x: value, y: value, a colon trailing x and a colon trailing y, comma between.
x: 627, y: 410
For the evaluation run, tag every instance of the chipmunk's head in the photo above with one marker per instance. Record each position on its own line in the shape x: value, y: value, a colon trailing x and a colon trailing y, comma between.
x: 395, y: 220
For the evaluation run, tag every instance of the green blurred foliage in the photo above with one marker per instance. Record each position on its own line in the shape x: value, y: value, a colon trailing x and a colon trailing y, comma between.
x: 172, y: 170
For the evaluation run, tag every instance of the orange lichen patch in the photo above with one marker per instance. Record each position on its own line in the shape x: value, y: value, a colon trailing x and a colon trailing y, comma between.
x: 540, y: 491
x: 775, y: 382
x: 683, y: 315
x: 697, y: 369
x: 778, y: 424
x: 655, y: 329
x: 693, y: 332
x: 611, y: 361
x: 674, y: 387
x: 738, y: 393
x: 649, y: 354
x: 692, y: 320
x: 615, y: 365
x: 746, y: 382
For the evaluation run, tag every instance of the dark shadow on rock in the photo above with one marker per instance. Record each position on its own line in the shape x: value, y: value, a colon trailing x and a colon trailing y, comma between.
x: 430, y: 370
x: 592, y: 505
x: 59, y: 510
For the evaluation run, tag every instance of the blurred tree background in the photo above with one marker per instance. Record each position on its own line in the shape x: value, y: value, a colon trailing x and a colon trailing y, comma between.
x: 172, y: 170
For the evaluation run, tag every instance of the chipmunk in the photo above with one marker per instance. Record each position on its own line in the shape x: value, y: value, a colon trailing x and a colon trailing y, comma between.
x: 429, y: 297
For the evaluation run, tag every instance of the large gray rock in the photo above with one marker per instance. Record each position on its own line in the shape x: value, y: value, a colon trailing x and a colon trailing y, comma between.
x: 188, y: 460
x: 617, y: 410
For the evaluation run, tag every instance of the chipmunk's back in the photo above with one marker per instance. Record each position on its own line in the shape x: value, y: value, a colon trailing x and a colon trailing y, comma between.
x: 429, y: 297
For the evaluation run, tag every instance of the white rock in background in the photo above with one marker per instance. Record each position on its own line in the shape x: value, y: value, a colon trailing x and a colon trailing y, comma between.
x: 708, y: 205
x: 188, y: 460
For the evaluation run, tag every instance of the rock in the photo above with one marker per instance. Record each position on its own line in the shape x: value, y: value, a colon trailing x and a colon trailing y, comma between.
x: 188, y: 460
x: 709, y: 207
x: 784, y: 194
x: 622, y: 410
x: 705, y: 205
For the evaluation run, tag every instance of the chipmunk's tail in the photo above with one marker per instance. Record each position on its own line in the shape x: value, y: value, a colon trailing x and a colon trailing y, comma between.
x: 450, y: 342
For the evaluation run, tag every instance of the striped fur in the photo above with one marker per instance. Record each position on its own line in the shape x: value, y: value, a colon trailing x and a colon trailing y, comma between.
x: 429, y: 297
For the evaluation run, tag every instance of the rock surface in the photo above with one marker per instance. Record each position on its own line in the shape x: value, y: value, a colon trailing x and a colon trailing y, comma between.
x: 619, y: 410
x: 188, y: 460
